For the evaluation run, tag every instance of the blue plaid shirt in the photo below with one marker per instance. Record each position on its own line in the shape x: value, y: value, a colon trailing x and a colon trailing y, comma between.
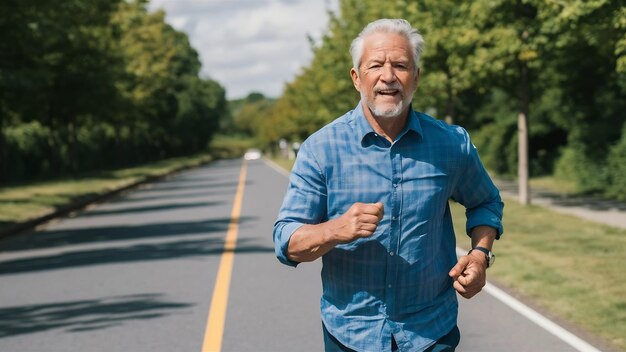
x: 396, y: 281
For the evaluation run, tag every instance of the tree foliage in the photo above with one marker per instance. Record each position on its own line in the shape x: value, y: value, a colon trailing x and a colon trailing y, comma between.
x: 249, y: 113
x: 91, y: 84
x: 562, y: 63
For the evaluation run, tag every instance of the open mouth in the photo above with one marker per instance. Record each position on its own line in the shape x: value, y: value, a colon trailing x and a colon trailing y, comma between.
x: 388, y: 92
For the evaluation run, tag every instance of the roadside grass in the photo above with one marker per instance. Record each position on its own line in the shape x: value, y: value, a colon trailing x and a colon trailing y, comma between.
x: 572, y: 268
x: 567, y: 266
x: 282, y: 162
x: 21, y: 202
x: 553, y: 184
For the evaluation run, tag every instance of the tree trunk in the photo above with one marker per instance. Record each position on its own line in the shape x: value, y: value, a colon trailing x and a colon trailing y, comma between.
x: 73, y: 145
x: 522, y: 158
x: 522, y: 139
x: 450, y: 103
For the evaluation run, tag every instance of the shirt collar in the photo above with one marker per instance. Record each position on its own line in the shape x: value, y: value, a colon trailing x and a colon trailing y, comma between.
x: 363, y: 127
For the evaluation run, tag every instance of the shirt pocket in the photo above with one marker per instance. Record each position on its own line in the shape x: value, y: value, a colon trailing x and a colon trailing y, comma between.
x: 352, y: 182
x: 426, y: 191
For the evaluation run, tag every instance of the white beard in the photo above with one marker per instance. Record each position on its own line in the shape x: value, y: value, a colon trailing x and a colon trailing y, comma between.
x: 389, y: 113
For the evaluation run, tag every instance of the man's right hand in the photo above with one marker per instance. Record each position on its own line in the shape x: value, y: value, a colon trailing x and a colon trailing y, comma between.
x: 361, y: 220
x: 312, y: 241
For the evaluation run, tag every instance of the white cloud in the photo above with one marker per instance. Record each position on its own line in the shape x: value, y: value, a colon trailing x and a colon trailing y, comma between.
x: 250, y: 45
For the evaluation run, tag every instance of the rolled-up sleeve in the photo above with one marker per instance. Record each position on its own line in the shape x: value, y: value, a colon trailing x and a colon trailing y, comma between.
x: 476, y: 191
x: 304, y: 202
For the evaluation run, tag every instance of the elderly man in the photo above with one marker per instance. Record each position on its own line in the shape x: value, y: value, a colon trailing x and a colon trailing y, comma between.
x: 369, y: 194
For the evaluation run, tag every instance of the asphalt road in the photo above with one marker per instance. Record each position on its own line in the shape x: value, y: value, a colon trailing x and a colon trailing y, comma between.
x: 138, y: 274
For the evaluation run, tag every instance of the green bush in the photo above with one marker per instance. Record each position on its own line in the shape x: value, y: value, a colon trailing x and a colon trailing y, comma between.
x: 97, y: 147
x: 587, y: 173
x: 497, y: 146
x: 33, y: 151
x: 28, y: 151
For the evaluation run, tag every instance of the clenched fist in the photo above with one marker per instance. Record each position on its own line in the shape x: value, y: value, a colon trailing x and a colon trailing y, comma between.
x: 312, y: 241
x: 469, y: 274
x: 361, y: 220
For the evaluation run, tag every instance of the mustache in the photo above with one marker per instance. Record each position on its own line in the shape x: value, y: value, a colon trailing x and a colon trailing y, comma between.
x: 395, y: 86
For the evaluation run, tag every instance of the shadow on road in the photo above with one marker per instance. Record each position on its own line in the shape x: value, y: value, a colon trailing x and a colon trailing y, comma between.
x: 135, y: 253
x: 148, y: 233
x: 169, y: 186
x: 84, y: 315
x: 57, y: 238
x: 147, y: 196
x: 145, y: 209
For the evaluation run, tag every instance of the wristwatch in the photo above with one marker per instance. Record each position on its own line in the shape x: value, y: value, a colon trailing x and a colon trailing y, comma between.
x: 491, y: 258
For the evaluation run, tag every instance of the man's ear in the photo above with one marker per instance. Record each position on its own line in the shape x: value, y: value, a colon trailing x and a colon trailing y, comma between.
x: 417, y: 76
x: 355, y: 79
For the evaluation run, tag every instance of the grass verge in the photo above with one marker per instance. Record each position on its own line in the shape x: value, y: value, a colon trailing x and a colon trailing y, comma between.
x: 555, y: 185
x: 571, y: 268
x: 282, y: 162
x: 22, y: 202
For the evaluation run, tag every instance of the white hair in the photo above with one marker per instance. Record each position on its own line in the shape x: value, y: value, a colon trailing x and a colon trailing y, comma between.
x: 386, y: 25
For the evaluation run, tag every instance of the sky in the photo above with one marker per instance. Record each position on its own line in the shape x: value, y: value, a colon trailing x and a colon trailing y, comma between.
x: 250, y: 45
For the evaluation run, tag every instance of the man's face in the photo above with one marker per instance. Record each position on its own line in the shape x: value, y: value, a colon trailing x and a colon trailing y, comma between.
x: 387, y: 76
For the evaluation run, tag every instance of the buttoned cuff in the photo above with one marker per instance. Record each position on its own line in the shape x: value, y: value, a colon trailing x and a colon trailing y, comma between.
x: 281, y: 241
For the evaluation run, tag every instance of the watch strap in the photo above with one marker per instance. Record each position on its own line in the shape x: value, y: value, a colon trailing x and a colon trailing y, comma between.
x: 485, y: 251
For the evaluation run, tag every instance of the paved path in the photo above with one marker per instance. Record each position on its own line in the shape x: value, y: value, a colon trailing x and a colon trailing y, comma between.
x: 138, y: 274
x: 608, y: 212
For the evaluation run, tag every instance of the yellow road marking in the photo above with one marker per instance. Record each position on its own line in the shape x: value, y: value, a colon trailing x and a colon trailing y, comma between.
x: 217, y: 313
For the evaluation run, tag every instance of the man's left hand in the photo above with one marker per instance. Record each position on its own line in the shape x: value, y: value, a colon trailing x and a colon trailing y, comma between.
x: 469, y: 274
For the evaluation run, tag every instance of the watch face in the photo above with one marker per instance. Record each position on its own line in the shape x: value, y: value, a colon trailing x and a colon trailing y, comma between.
x: 492, y: 258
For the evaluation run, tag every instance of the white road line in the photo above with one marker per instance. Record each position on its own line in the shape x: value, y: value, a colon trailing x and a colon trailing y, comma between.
x: 531, y: 314
x: 535, y: 317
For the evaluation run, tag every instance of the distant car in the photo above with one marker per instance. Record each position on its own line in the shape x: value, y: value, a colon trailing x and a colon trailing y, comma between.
x: 252, y: 154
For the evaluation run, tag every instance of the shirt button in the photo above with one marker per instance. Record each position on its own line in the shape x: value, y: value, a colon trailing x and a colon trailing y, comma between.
x: 394, y: 218
x: 389, y: 286
x: 391, y: 254
x: 395, y: 185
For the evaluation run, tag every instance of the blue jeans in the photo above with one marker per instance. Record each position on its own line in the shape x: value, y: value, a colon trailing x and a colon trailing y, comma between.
x: 447, y: 343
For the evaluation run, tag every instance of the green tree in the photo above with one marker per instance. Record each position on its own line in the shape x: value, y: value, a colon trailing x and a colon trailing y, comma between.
x: 93, y: 84
x: 160, y: 84
x: 200, y: 107
x: 251, y: 114
x: 541, y: 53
x: 537, y: 81
x: 590, y: 35
x: 55, y: 65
